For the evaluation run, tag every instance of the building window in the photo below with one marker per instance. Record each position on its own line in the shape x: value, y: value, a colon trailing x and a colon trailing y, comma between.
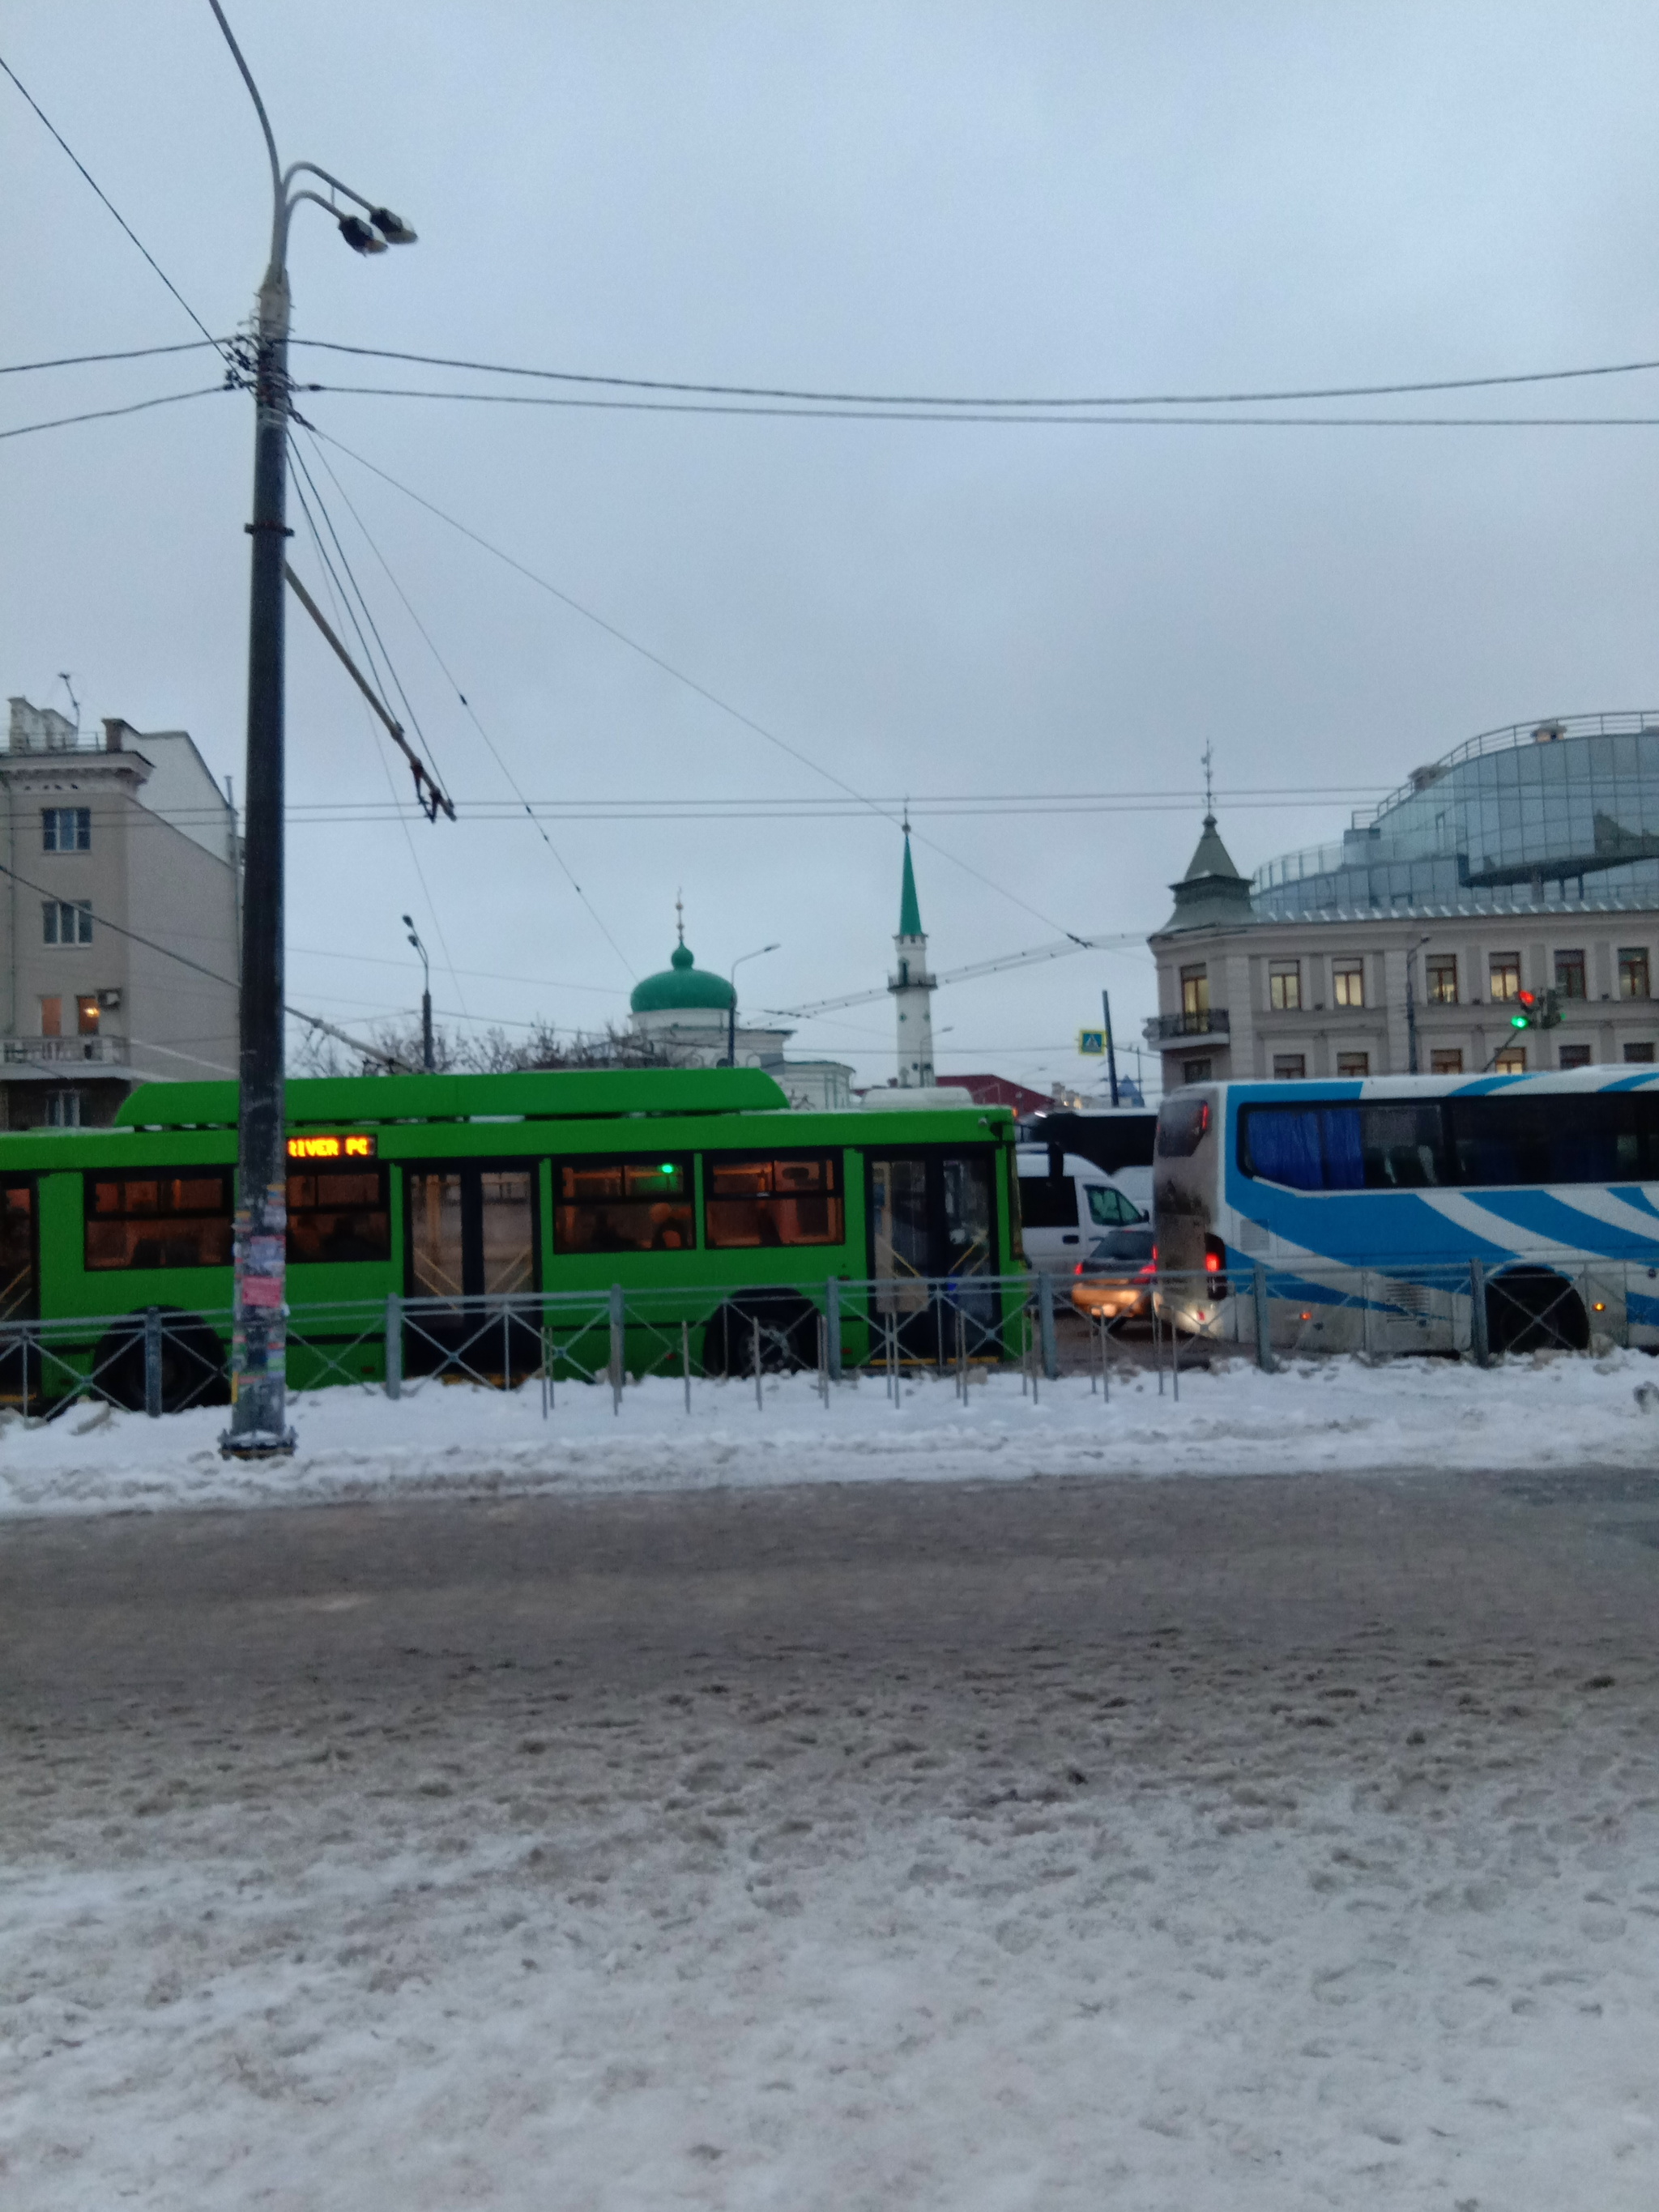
x: 1348, y: 982
x: 772, y: 1202
x: 1197, y: 1071
x: 1442, y: 978
x: 1284, y: 986
x: 86, y: 1017
x: 1633, y: 972
x: 64, y: 921
x: 159, y: 1221
x: 1290, y: 1067
x: 66, y: 830
x: 51, y: 1018
x: 1352, y: 1064
x: 1505, y: 974
x: 62, y: 1109
x: 1570, y: 975
x: 1575, y: 1055
x: 624, y: 1206
x: 1511, y: 1060
x: 1446, y: 1059
x: 1643, y: 1053
x: 1195, y: 991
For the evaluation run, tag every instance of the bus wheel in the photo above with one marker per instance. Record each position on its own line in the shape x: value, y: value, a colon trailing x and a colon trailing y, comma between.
x: 193, y: 1364
x: 1534, y: 1309
x: 788, y: 1328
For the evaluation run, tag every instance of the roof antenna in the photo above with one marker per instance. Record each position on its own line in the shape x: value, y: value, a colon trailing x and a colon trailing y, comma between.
x: 1208, y: 758
x: 64, y: 678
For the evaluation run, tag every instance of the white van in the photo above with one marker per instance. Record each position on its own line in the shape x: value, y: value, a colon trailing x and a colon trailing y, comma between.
x: 1065, y: 1202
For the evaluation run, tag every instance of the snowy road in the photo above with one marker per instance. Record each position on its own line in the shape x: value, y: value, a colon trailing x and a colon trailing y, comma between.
x: 1257, y: 1843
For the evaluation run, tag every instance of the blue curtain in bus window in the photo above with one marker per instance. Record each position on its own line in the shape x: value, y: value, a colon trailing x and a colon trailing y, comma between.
x: 1284, y: 1146
x: 1344, y: 1162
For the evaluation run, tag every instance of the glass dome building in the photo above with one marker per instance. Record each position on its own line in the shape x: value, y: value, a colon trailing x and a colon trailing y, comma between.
x: 1540, y: 816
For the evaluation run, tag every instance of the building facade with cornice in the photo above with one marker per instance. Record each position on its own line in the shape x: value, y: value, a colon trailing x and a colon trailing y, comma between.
x: 1526, y: 860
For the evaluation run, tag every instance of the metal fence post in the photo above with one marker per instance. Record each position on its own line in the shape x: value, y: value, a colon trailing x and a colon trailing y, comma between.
x: 1479, y: 1346
x: 1046, y: 1323
x: 394, y: 1345
x: 754, y: 1343
x: 685, y: 1360
x: 153, y: 1362
x: 1264, y: 1341
x: 617, y: 1310
x: 832, y: 1326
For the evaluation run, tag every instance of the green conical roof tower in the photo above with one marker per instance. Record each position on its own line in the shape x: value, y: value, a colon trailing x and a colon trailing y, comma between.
x: 910, y: 907
x: 1211, y: 895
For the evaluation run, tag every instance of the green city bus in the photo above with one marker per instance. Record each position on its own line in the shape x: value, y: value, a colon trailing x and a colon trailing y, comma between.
x: 474, y: 1203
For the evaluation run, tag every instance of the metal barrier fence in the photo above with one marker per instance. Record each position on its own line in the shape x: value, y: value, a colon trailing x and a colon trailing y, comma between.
x: 161, y: 1361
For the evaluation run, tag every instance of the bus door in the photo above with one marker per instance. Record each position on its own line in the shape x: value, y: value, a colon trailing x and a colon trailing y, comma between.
x: 469, y: 1241
x: 19, y: 1289
x: 932, y: 1215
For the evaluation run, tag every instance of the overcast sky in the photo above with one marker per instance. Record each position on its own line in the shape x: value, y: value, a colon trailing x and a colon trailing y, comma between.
x: 1014, y: 199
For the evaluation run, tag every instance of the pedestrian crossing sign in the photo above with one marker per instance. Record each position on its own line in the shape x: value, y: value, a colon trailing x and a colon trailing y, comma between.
x: 1092, y: 1043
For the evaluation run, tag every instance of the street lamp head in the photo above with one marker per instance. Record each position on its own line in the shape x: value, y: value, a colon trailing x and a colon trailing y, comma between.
x: 359, y: 237
x: 409, y: 922
x: 391, y: 227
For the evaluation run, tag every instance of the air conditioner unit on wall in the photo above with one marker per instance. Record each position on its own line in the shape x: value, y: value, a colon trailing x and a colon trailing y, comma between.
x: 109, y: 1001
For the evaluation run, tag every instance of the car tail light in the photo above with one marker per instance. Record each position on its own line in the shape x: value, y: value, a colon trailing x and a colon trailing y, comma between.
x: 1215, y: 1266
x: 1078, y: 1270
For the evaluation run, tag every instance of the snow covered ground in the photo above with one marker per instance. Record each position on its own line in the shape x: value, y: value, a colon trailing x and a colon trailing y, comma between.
x: 637, y: 1811
x: 1334, y: 1414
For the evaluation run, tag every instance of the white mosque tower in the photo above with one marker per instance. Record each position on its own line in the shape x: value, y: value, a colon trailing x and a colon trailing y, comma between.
x: 912, y: 988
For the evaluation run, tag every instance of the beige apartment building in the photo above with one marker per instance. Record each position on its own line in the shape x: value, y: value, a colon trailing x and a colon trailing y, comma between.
x: 1526, y: 861
x: 118, y: 919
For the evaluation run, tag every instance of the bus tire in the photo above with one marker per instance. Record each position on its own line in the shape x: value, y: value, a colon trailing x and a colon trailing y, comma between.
x: 788, y: 1326
x: 1534, y: 1309
x: 193, y: 1364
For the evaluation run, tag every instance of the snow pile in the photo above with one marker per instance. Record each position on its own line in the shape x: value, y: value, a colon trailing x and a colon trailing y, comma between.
x: 1337, y: 1415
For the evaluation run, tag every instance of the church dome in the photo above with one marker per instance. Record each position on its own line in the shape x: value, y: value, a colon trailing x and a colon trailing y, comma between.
x: 682, y: 988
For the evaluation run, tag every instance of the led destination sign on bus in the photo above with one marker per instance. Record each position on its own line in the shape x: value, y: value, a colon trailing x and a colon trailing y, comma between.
x: 355, y: 1146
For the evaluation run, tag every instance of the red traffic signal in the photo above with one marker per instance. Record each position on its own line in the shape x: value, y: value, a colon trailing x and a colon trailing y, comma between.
x: 1527, y: 999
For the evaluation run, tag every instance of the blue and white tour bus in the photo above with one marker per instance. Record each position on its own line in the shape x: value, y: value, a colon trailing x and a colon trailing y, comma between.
x: 1446, y: 1212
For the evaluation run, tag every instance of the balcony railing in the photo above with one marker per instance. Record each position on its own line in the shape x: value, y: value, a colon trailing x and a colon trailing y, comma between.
x: 34, y: 1052
x: 1165, y: 1029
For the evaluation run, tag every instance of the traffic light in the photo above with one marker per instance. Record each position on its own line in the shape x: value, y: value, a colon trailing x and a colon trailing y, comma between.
x: 1534, y: 1013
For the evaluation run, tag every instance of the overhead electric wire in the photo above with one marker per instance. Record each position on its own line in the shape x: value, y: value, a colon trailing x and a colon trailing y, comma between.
x: 103, y: 414
x: 702, y: 690
x: 453, y: 681
x: 128, y: 353
x: 909, y: 399
x: 338, y: 594
x: 1149, y: 421
x: 220, y: 343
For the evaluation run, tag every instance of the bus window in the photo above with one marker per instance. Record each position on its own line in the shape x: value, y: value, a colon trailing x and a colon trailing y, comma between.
x: 159, y: 1221
x: 434, y: 1216
x: 967, y: 1191
x: 623, y: 1205
x: 339, y: 1215
x: 508, y: 1237
x: 1610, y: 1137
x: 1403, y: 1146
x: 750, y: 1202
x: 1304, y: 1147
x: 17, y: 1252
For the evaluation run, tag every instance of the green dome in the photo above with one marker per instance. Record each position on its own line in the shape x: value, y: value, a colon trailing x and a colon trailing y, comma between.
x: 681, y: 987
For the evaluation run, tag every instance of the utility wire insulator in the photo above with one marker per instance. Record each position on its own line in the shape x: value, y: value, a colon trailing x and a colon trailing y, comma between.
x: 432, y: 800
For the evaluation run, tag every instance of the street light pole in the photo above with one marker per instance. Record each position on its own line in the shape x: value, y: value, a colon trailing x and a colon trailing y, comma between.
x: 732, y: 1004
x: 258, y: 1421
x: 426, y: 994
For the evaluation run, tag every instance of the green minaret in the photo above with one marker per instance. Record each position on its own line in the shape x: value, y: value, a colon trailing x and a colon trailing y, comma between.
x: 912, y: 987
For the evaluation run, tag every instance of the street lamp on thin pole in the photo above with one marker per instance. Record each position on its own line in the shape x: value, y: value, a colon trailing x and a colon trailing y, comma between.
x: 426, y: 994
x: 259, y: 1419
x: 732, y: 1004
